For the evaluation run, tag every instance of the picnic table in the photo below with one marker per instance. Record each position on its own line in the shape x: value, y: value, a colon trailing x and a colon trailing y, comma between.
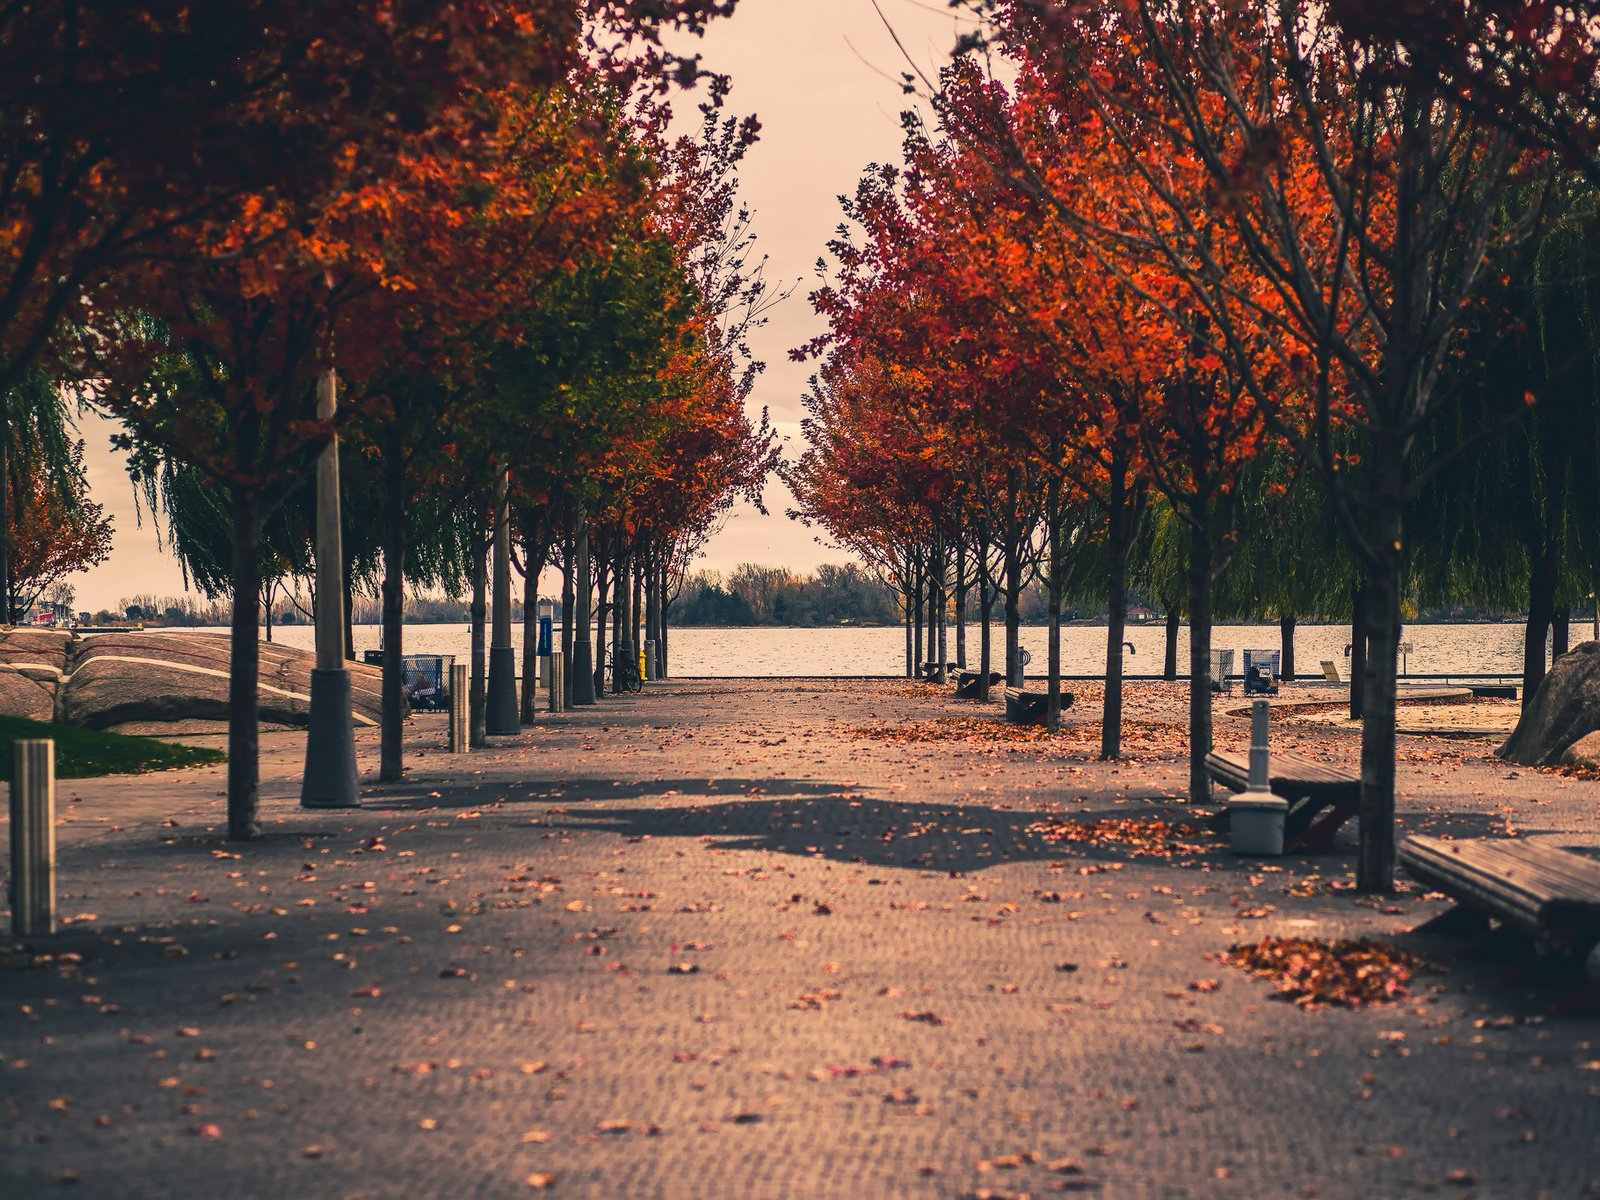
x: 1321, y: 798
x: 1030, y: 708
x: 969, y: 684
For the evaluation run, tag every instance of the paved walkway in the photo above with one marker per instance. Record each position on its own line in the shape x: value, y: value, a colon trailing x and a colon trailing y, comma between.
x: 764, y: 940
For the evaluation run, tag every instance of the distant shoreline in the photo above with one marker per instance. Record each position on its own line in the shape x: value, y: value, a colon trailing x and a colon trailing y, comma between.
x: 1075, y: 624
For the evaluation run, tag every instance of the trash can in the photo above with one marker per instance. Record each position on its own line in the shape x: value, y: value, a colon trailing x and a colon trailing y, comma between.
x: 373, y: 658
x: 1221, y: 670
x: 1261, y: 670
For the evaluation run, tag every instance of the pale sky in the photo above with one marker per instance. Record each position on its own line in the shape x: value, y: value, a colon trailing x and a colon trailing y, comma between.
x: 823, y: 76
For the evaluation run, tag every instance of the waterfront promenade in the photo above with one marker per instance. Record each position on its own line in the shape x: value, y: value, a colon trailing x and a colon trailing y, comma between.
x: 770, y: 939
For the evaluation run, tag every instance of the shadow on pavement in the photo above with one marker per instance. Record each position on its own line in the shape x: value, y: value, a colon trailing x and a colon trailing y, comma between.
x: 570, y: 790
x: 858, y: 829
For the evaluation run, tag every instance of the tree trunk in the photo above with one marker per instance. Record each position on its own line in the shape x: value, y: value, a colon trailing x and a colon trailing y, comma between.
x: 985, y: 636
x: 1286, y: 628
x: 349, y: 611
x: 1541, y: 612
x: 569, y: 553
x: 602, y: 612
x: 638, y: 605
x: 961, y: 605
x: 1560, y: 633
x: 477, y: 696
x: 7, y: 609
x: 581, y: 664
x: 391, y: 705
x: 915, y: 669
x: 244, y: 668
x: 266, y: 611
x: 1013, y: 591
x: 1169, y: 665
x: 662, y: 634
x: 911, y: 636
x: 1375, y: 860
x: 652, y: 615
x: 639, y: 602
x: 1124, y: 518
x: 1358, y: 653
x: 931, y: 652
x: 1116, y: 634
x: 1053, y: 588
x: 622, y: 622
x: 1199, y: 664
x: 941, y: 580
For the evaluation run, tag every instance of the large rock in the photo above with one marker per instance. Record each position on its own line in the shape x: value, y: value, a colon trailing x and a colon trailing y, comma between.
x: 118, y: 678
x: 33, y: 663
x: 1565, y: 709
x: 1585, y: 752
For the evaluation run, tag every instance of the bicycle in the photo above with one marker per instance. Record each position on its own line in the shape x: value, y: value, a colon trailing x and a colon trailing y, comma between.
x: 624, y: 675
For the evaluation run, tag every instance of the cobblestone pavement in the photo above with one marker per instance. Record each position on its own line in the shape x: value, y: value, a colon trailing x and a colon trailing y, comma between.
x: 766, y: 940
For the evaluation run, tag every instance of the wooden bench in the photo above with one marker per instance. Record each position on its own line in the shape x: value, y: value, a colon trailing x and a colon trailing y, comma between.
x: 930, y: 671
x: 1321, y: 798
x: 1030, y: 708
x: 1548, y: 893
x: 1330, y: 672
x: 969, y: 684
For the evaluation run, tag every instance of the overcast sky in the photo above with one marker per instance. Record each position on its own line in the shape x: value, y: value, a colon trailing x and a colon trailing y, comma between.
x: 823, y: 76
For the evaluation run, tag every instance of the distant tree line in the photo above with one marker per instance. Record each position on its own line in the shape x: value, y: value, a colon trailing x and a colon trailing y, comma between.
x: 752, y: 594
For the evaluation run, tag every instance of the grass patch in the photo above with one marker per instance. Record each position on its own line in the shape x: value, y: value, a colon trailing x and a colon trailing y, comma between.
x: 84, y: 753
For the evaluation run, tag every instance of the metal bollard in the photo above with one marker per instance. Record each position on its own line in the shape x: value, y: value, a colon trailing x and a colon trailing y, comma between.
x: 649, y: 660
x: 1260, y: 753
x: 1256, y: 816
x: 459, y: 743
x: 558, y: 682
x: 33, y: 837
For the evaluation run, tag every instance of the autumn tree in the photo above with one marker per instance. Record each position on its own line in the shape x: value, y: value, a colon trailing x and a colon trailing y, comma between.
x: 56, y: 530
x: 1365, y: 207
x: 240, y: 311
x: 127, y: 124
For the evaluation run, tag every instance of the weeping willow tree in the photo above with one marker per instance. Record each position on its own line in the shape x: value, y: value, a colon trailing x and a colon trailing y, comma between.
x: 39, y: 454
x: 1294, y: 564
x: 1515, y: 522
x: 196, y: 516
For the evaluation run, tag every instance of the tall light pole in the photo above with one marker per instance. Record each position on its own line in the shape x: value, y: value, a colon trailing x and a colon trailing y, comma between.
x: 330, y: 776
x: 501, y: 718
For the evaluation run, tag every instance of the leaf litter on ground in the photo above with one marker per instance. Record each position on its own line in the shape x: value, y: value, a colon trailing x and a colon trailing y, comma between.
x: 1314, y: 973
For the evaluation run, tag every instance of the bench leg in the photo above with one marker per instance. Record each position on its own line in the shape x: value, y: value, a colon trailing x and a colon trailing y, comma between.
x: 1319, y: 836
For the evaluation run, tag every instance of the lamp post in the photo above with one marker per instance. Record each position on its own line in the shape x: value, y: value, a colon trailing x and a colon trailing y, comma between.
x: 330, y: 774
x: 501, y: 718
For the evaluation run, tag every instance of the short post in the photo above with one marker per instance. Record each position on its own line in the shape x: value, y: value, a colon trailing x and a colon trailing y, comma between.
x: 649, y: 660
x: 1255, y: 816
x: 33, y: 837
x: 558, y: 682
x: 459, y: 742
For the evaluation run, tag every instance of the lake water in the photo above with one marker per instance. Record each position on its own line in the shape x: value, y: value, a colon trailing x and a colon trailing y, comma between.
x: 778, y: 652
